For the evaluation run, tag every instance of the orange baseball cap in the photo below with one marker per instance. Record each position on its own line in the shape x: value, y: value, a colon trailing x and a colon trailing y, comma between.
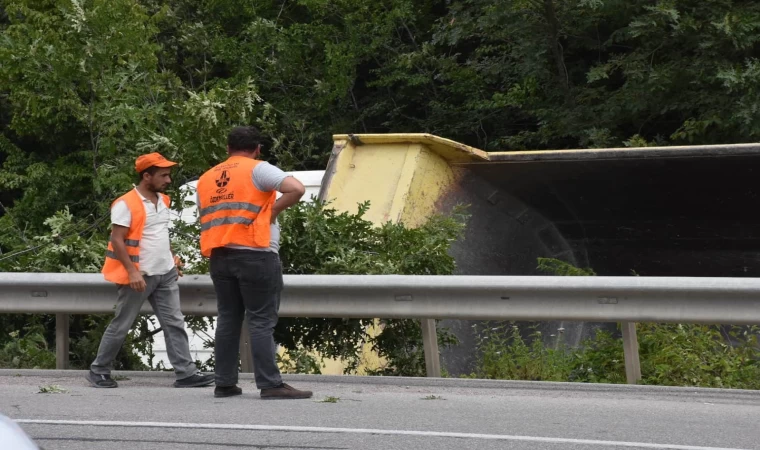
x: 150, y: 160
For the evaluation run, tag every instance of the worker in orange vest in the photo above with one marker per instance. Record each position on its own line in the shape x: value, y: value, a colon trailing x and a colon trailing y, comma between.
x: 240, y: 234
x: 140, y: 262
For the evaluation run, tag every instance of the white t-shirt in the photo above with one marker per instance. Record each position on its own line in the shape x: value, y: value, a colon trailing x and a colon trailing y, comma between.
x: 266, y: 178
x: 155, y: 251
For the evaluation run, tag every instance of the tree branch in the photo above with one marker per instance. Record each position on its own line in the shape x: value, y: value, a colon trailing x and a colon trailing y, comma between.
x: 556, y: 47
x: 93, y: 139
x: 150, y: 334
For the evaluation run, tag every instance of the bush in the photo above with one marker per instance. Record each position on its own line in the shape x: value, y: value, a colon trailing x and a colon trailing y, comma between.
x: 506, y: 355
x: 28, y: 350
x: 316, y: 239
x: 700, y: 355
x: 670, y: 354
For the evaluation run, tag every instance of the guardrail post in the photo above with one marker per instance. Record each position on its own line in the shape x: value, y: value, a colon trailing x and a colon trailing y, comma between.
x: 631, y: 352
x: 246, y: 359
x: 430, y: 345
x: 61, y: 341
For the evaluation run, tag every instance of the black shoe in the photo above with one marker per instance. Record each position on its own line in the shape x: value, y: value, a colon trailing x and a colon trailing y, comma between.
x: 101, y: 381
x: 227, y: 391
x: 196, y: 380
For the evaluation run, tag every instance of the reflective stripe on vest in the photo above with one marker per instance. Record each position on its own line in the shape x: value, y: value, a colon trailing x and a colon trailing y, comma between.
x: 133, y: 258
x: 225, y: 221
x: 230, y: 206
x: 131, y: 243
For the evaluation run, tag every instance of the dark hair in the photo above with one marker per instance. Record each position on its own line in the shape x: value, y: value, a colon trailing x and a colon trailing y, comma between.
x: 244, y: 139
x: 150, y: 171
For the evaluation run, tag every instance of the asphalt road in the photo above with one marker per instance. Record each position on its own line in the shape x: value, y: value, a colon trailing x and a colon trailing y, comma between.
x: 145, y: 412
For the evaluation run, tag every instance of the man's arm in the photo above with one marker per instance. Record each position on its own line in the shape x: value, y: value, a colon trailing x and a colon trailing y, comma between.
x: 118, y: 235
x: 292, y: 190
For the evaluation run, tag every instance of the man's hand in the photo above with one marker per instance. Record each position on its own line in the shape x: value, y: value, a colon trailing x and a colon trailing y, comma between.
x: 292, y: 190
x: 136, y: 281
x: 179, y: 265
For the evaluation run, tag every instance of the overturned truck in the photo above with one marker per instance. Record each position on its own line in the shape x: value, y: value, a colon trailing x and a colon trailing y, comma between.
x: 655, y: 211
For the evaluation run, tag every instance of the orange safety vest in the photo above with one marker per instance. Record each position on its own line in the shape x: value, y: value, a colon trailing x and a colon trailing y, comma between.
x: 113, y: 270
x: 232, y: 210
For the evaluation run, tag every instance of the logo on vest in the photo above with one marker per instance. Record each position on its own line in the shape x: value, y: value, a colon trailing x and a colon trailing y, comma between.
x: 223, y: 179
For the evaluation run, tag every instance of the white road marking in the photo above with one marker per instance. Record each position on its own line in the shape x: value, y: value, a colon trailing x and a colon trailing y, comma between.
x: 296, y: 429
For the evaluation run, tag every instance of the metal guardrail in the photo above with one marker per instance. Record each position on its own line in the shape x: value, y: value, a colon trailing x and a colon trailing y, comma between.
x: 598, y: 299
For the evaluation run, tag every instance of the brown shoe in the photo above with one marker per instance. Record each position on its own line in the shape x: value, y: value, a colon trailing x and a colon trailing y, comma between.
x: 284, y: 392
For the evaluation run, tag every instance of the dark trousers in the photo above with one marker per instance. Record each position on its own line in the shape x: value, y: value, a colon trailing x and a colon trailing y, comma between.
x: 248, y: 284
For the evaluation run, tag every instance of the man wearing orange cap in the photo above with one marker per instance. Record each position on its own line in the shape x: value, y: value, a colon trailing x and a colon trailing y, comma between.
x: 140, y: 261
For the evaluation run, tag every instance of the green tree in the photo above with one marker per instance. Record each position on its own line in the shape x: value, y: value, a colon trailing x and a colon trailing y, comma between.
x: 87, y: 95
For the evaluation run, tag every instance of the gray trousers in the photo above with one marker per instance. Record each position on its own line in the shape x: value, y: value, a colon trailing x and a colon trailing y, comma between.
x: 163, y: 294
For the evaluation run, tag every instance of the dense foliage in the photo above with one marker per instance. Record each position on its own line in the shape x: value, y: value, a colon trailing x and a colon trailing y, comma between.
x: 670, y: 354
x: 316, y: 240
x: 86, y: 85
